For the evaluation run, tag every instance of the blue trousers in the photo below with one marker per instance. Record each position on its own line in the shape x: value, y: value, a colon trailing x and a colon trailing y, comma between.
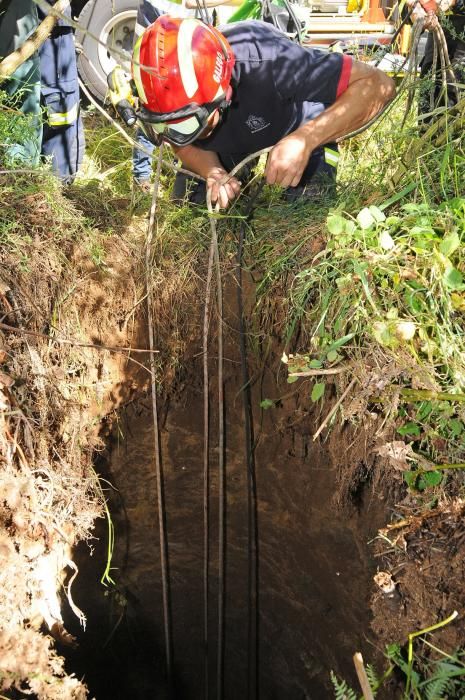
x: 63, y: 135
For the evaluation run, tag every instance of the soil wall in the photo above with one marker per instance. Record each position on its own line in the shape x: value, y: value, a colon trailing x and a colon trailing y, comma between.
x: 315, y: 575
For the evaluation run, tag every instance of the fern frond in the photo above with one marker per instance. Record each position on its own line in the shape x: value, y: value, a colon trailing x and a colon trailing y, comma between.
x: 373, y: 678
x: 341, y: 689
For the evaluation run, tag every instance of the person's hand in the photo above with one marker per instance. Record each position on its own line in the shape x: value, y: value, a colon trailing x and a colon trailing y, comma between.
x: 287, y: 161
x: 425, y: 9
x: 225, y: 193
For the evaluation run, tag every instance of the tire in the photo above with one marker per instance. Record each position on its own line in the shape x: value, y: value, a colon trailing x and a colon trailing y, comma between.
x: 112, y: 22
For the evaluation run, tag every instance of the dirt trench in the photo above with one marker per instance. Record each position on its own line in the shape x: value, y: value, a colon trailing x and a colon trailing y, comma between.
x: 315, y: 574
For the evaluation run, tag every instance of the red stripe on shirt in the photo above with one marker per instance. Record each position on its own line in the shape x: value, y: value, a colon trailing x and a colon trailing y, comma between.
x: 343, y: 83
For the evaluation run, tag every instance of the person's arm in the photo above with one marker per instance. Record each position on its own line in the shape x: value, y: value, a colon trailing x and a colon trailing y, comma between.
x: 368, y: 91
x: 208, y: 165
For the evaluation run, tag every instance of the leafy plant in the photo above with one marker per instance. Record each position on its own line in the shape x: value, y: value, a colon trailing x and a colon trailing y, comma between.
x: 341, y: 689
x: 425, y: 678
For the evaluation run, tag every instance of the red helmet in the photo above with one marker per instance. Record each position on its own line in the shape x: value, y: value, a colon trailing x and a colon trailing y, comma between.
x: 182, y: 70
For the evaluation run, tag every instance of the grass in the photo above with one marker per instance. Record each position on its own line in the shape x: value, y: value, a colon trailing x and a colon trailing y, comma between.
x: 375, y: 281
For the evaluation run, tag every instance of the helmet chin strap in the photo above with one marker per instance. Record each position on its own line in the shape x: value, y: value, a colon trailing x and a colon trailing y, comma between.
x: 224, y: 104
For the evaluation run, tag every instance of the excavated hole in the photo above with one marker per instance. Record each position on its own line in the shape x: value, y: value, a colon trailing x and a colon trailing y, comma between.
x: 315, y: 571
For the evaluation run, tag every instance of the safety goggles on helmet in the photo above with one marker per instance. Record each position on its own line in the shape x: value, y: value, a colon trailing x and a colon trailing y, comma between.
x: 182, y: 127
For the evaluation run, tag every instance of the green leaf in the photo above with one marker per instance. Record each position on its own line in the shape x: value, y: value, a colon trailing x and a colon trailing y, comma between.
x: 409, y: 429
x: 340, y: 342
x: 318, y: 391
x: 424, y: 410
x: 431, y: 478
x: 315, y: 364
x: 382, y: 334
x: 291, y: 380
x: 336, y: 224
x: 452, y: 278
x: 399, y: 195
x: 450, y: 243
x: 365, y: 219
x: 266, y: 403
x: 410, y: 479
x: 455, y: 427
x: 377, y: 214
x: 332, y: 356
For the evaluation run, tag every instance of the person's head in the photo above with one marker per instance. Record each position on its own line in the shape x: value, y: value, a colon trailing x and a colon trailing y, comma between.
x: 182, y: 71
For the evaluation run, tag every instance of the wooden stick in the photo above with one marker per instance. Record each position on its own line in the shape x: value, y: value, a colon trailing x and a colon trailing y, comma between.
x: 362, y: 676
x: 318, y: 372
x: 334, y: 409
x: 31, y: 45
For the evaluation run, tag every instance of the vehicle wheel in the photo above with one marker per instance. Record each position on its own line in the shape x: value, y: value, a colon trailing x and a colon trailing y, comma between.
x: 111, y: 24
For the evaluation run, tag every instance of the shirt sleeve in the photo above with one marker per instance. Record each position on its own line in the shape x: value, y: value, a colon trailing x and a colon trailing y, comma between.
x: 310, y: 75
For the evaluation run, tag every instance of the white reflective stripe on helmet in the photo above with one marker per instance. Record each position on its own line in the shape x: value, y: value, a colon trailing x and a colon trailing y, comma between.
x: 139, y: 29
x: 331, y: 156
x: 136, y: 70
x: 185, y: 56
x: 63, y: 118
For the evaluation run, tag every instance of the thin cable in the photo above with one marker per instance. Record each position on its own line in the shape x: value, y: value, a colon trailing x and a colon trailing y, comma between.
x: 221, y: 478
x: 164, y: 561
x: 253, y: 613
x: 206, y: 470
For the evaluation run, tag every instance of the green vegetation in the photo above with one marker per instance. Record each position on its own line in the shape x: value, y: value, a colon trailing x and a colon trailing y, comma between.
x: 421, y: 676
x: 15, y: 127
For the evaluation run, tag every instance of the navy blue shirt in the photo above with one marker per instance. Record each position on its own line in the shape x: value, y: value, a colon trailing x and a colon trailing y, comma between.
x: 277, y: 86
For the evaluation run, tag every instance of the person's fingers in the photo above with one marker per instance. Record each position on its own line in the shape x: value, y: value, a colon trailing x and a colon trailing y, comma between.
x: 223, y: 197
x: 270, y: 169
x: 213, y: 187
x: 233, y: 189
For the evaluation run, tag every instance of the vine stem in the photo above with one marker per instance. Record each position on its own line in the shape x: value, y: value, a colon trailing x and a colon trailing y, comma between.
x: 412, y: 636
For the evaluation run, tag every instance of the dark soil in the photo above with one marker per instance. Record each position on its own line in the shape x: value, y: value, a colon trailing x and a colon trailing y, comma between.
x: 427, y: 560
x: 315, y: 571
x: 319, y: 504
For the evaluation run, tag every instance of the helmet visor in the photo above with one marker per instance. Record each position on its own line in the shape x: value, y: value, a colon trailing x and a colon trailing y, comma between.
x: 172, y: 128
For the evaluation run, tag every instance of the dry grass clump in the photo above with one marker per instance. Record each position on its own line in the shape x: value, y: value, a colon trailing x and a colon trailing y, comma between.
x: 62, y: 281
x: 49, y: 495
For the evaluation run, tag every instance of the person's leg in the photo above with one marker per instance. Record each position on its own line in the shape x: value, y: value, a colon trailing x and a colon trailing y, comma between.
x: 147, y: 13
x: 142, y: 161
x: 456, y: 46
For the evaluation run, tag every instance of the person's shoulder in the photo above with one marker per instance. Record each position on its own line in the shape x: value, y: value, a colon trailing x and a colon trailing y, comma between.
x: 253, y: 39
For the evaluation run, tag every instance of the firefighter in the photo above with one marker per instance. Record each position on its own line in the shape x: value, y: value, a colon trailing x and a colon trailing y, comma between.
x: 217, y: 97
x: 63, y: 133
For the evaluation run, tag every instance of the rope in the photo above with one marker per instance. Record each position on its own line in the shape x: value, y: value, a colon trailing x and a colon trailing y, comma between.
x: 206, y: 470
x: 164, y: 561
x: 252, y: 501
x: 221, y: 476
